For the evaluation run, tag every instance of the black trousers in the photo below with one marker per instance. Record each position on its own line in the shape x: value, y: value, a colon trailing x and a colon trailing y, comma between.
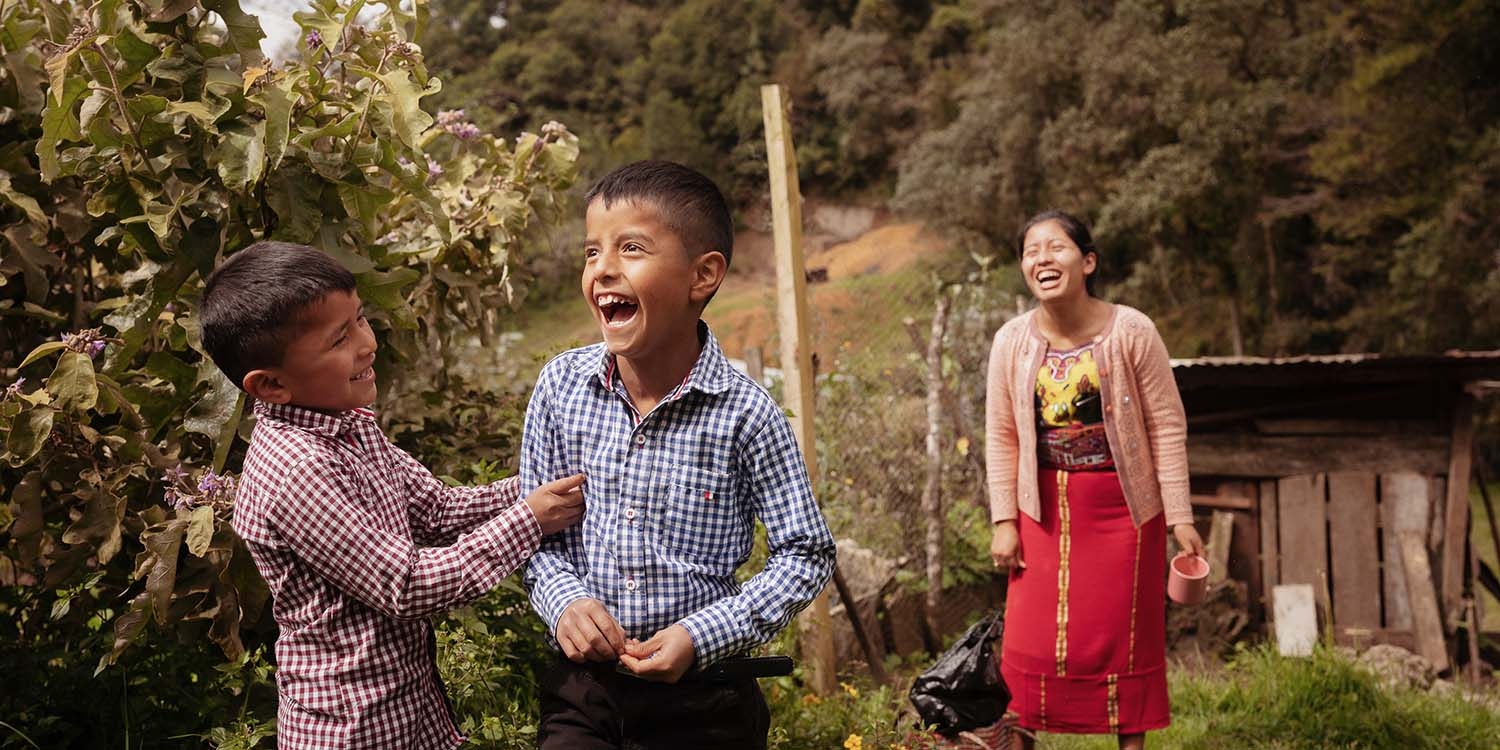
x: 592, y: 706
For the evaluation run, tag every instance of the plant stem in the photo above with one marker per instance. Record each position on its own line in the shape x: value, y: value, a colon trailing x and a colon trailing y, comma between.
x: 365, y: 113
x: 135, y: 133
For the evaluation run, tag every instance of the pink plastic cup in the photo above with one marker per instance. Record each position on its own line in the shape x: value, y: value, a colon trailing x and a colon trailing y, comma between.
x: 1187, y: 581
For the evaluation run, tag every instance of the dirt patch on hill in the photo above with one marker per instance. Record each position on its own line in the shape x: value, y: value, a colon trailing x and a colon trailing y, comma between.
x: 743, y: 315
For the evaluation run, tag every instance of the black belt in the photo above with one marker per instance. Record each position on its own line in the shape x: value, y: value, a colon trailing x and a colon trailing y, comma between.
x: 732, y: 669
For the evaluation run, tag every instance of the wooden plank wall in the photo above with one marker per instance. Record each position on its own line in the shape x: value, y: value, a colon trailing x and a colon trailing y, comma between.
x: 1354, y: 549
x: 1348, y: 534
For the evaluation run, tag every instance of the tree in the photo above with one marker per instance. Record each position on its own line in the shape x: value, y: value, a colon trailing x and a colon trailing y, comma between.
x: 144, y: 143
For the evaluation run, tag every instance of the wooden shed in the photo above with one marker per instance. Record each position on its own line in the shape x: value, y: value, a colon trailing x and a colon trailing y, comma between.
x: 1346, y: 472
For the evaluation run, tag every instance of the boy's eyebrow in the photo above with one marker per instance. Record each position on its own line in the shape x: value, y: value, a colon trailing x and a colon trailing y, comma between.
x: 345, y: 326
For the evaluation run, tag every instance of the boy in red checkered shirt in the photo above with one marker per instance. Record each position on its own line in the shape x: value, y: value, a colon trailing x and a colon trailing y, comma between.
x: 358, y: 542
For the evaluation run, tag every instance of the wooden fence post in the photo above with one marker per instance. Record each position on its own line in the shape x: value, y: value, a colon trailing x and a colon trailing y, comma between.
x: 796, y: 352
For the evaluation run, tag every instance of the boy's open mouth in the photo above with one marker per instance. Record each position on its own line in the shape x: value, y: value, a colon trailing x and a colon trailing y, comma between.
x: 616, y: 309
x: 363, y: 375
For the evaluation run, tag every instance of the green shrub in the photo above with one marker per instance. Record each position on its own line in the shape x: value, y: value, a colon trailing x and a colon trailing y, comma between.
x: 140, y: 143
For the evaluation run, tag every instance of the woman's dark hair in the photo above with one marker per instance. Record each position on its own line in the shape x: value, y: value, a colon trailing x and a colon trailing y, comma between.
x: 252, y: 301
x: 1076, y: 230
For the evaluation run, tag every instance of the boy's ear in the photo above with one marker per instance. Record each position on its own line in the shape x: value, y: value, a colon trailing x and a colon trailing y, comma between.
x: 708, y: 273
x: 266, y: 386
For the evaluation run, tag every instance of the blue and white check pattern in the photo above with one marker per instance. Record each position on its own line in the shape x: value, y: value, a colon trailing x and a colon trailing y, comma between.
x: 672, y: 499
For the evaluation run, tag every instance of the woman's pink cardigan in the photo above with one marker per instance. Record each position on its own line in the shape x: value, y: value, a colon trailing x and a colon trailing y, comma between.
x: 1143, y: 418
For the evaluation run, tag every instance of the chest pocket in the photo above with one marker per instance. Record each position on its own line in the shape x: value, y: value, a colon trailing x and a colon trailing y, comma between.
x: 704, y: 520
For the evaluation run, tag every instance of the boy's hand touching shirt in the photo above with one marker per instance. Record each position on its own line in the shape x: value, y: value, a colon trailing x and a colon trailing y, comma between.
x: 557, y: 504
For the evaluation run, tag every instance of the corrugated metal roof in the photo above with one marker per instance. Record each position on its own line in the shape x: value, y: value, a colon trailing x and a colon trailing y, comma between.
x: 1400, y: 360
x: 1312, y: 370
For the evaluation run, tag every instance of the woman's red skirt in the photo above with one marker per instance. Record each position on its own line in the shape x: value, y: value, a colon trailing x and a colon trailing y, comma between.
x: 1084, y: 645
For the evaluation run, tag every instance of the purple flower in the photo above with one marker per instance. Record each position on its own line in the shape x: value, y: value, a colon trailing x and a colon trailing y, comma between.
x: 314, y: 39
x: 88, y: 341
x: 14, y: 389
x: 434, y: 169
x: 465, y: 131
x: 175, y: 475
x: 449, y: 117
x: 210, y: 483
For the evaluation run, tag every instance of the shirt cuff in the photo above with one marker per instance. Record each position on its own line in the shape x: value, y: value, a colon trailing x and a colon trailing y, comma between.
x: 712, y: 630
x: 513, y: 536
x: 558, y: 594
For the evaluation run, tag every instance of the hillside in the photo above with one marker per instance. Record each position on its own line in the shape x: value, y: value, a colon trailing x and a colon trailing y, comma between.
x: 875, y: 276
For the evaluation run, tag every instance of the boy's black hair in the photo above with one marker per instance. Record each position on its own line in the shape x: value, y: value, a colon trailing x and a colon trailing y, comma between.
x: 252, y: 301
x: 689, y: 203
x: 1076, y: 230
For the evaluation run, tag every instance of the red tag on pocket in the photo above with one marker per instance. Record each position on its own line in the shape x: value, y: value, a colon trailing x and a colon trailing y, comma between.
x: 708, y: 494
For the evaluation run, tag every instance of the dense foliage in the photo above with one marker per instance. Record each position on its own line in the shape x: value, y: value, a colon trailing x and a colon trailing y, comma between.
x: 1266, y: 176
x: 141, y: 142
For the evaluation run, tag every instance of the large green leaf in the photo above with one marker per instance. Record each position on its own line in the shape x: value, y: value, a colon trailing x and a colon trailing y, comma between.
x: 127, y: 627
x: 213, y: 413
x: 200, y: 530
x: 59, y: 124
x: 382, y: 289
x: 241, y: 155
x: 162, y: 543
x: 136, y: 52
x: 28, y: 433
x: 293, y: 192
x: 73, y: 384
x: 244, y: 29
x: 98, y: 524
x: 276, y: 98
x: 135, y: 320
x: 42, y: 351
x: 405, y: 96
x: 22, y: 201
x: 33, y: 259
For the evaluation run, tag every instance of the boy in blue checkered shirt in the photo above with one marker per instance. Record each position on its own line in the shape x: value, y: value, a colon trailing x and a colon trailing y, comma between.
x: 683, y: 453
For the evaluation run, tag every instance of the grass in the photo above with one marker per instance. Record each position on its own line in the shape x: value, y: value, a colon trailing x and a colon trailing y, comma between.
x: 1262, y: 700
x: 1259, y: 700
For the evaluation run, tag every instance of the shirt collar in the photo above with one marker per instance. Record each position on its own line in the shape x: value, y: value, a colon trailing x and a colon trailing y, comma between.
x: 712, y: 373
x: 315, y: 422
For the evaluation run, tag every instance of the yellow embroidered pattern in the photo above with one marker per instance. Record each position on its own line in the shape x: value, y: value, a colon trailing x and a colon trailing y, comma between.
x: 1064, y: 545
x: 1114, y: 704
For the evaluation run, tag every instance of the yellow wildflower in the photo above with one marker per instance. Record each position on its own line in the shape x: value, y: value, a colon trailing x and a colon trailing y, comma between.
x: 811, y: 699
x: 855, y: 742
x: 850, y: 689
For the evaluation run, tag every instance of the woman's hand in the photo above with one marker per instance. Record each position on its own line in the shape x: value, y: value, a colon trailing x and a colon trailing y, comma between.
x: 1188, y: 539
x: 1005, y: 546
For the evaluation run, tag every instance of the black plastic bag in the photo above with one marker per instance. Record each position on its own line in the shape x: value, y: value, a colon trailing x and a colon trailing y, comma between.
x: 963, y: 689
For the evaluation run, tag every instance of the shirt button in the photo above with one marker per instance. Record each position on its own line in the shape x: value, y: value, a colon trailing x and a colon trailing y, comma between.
x: 630, y: 584
x: 1126, y: 399
x: 630, y: 513
x: 640, y: 439
x: 1109, y: 409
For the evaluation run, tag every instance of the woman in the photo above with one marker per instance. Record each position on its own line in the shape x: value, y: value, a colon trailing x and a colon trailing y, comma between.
x: 1087, y: 465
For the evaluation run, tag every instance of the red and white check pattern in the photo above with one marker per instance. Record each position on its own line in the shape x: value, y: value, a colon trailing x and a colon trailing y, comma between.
x: 359, y: 544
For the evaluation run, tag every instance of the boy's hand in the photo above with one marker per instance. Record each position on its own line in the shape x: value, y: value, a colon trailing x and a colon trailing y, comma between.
x: 588, y: 632
x: 557, y: 504
x: 664, y: 657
